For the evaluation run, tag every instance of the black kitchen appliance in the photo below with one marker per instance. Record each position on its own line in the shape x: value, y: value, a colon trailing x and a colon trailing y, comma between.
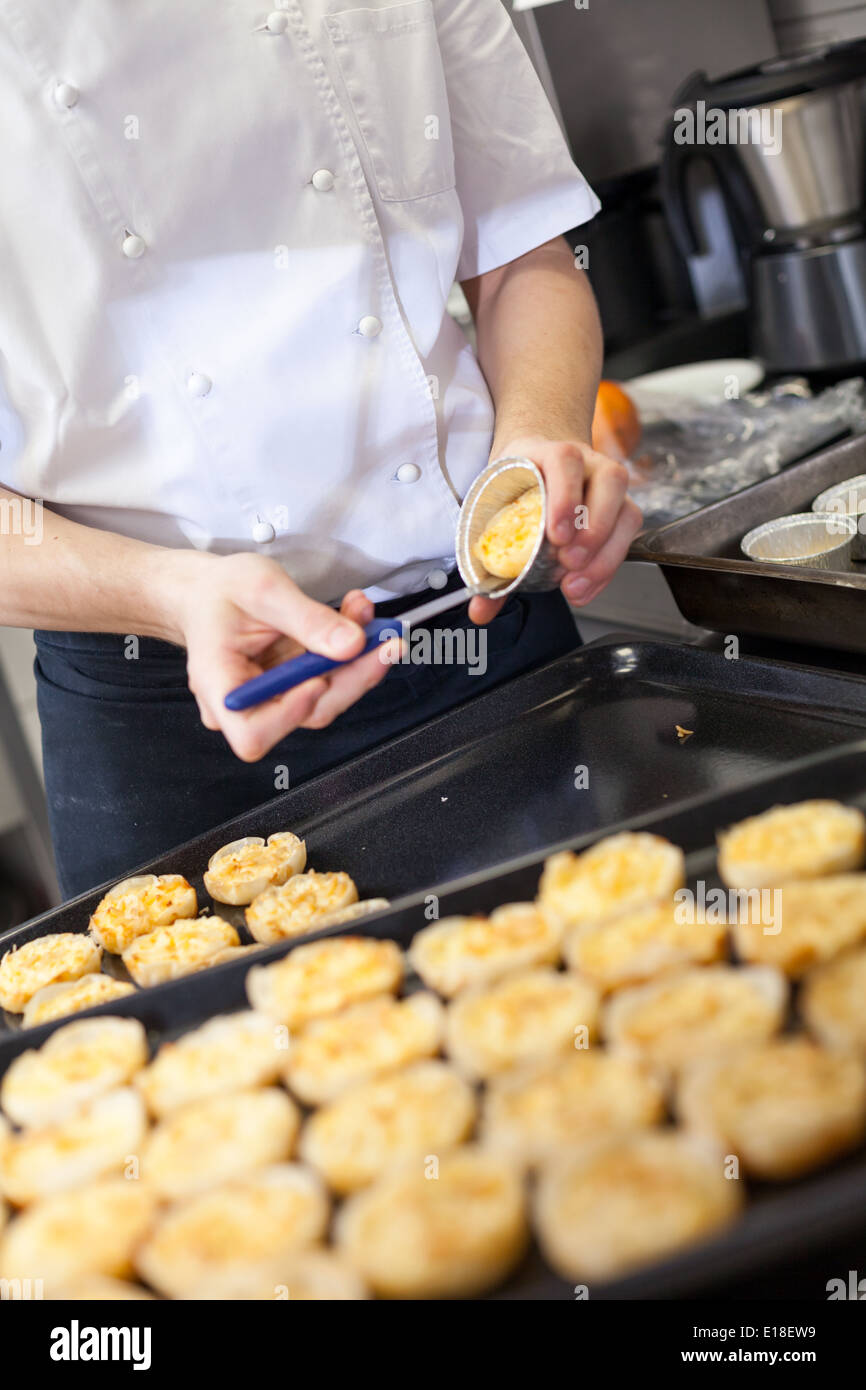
x: 785, y: 141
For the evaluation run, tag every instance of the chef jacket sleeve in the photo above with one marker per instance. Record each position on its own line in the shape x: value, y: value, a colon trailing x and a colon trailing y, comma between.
x: 517, y: 183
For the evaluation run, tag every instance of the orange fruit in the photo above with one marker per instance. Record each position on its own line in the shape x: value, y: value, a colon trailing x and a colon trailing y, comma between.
x: 616, y: 428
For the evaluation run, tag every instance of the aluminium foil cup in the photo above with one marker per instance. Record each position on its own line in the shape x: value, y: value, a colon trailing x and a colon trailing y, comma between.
x: 815, y: 540
x: 848, y: 498
x: 503, y: 481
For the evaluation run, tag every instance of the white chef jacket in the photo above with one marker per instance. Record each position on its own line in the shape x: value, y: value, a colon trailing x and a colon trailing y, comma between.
x: 227, y: 239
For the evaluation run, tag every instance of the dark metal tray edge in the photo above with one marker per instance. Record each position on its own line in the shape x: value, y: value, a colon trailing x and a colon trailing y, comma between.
x: 646, y: 546
x: 838, y: 695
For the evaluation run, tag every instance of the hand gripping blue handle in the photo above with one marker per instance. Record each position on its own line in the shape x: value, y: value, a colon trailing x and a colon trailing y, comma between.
x: 303, y: 668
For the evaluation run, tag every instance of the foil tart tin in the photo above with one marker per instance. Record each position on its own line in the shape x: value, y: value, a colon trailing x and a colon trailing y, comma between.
x: 848, y: 499
x: 503, y: 481
x: 815, y: 540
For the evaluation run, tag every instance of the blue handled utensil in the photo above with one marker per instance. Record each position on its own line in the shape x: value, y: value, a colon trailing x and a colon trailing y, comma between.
x: 288, y: 674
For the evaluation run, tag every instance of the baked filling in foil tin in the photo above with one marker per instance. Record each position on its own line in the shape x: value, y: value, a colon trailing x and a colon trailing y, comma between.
x: 503, y: 483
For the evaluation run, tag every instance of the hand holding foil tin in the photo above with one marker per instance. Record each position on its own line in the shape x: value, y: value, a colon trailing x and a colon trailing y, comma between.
x: 588, y: 522
x: 513, y: 508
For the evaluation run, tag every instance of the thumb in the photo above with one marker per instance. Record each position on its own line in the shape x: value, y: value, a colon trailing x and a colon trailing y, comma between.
x: 282, y: 605
x: 483, y: 610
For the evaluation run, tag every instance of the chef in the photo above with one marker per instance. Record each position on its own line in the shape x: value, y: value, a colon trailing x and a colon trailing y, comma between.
x: 230, y: 385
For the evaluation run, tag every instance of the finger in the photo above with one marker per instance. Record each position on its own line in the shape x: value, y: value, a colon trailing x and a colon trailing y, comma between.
x: 355, y: 606
x: 208, y: 718
x: 358, y: 607
x: 604, y: 494
x: 249, y: 733
x: 581, y: 588
x: 484, y: 610
x: 347, y: 685
x: 280, y: 650
x: 276, y: 600
x: 563, y: 471
x: 253, y: 733
x: 206, y: 715
x: 199, y: 683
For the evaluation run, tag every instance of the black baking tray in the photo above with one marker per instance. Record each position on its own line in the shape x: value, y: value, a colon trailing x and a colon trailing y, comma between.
x: 781, y: 1222
x: 716, y: 587
x: 495, y: 779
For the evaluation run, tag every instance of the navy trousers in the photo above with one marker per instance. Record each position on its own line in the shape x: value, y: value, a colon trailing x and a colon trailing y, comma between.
x: 131, y: 772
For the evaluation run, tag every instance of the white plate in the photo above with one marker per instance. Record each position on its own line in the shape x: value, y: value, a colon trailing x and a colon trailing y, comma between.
x: 707, y: 381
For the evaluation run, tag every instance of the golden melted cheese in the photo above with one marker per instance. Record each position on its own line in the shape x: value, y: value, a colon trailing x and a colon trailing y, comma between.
x: 298, y: 906
x: 93, y: 1141
x: 458, y: 952
x: 300, y: 1276
x: 227, y: 1053
x: 324, y: 977
x: 628, y: 1201
x: 100, y: 1288
x: 45, y: 960
x: 351, y: 913
x: 619, y: 874
x: 139, y: 905
x: 214, y: 1140
x: 89, y: 1231
x: 641, y: 944
x: 832, y: 1002
x: 61, y: 1000
x: 364, y: 1041
x: 277, y: 1209
x: 76, y: 1064
x: 703, y: 1011
x: 519, y: 1020
x: 806, y: 840
x: 816, y: 920
x: 423, y: 1109
x: 239, y: 871
x: 532, y: 1113
x: 449, y: 1234
x: 507, y: 542
x: 783, y: 1107
x: 180, y: 949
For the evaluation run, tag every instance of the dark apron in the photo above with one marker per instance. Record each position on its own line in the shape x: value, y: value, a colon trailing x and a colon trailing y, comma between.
x: 131, y: 772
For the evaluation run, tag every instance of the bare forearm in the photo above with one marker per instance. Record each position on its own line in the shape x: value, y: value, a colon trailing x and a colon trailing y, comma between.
x: 57, y: 574
x: 540, y: 348
x: 539, y: 345
x: 234, y: 614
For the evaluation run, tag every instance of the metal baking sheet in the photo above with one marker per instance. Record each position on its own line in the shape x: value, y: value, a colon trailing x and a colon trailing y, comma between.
x: 496, y: 779
x: 716, y: 587
x: 785, y: 1221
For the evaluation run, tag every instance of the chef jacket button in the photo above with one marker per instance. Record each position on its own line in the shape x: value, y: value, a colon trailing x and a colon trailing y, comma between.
x: 263, y: 532
x: 197, y: 384
x: 277, y: 22
x: 323, y: 180
x: 437, y: 579
x: 408, y: 473
x: 370, y: 326
x: 133, y: 246
x: 65, y: 94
